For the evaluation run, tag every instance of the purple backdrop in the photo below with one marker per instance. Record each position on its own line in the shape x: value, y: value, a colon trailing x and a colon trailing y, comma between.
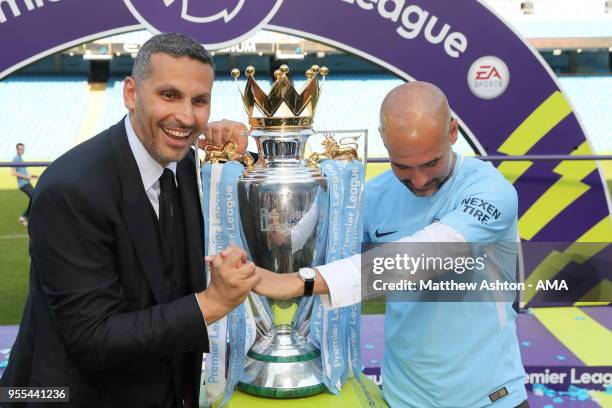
x: 434, y: 40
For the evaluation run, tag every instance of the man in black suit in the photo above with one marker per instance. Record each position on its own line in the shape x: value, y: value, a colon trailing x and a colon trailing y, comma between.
x: 118, y: 303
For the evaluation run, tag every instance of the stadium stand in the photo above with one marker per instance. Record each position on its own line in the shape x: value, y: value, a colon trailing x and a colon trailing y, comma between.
x: 114, y: 108
x: 565, y: 28
x: 592, y: 99
x: 47, y: 133
x: 349, y: 102
x: 512, y: 9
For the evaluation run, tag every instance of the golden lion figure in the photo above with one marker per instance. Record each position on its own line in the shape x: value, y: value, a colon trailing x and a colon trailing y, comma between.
x: 229, y: 152
x: 215, y: 154
x: 345, y: 149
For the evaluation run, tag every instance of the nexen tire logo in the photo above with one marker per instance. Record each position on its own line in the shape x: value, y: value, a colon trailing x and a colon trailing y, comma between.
x: 214, y: 23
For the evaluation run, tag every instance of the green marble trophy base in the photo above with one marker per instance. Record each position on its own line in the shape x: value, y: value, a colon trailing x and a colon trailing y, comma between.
x: 353, y: 395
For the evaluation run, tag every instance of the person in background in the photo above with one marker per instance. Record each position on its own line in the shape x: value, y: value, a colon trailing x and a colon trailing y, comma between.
x: 23, y: 181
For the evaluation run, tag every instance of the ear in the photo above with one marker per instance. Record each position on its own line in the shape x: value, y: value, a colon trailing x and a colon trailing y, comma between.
x: 129, y: 93
x: 382, y: 136
x: 453, y: 131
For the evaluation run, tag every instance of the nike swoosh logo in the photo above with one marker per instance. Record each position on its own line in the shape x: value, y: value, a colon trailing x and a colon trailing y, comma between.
x: 382, y: 234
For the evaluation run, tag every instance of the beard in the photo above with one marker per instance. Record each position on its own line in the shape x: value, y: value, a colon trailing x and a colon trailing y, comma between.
x: 433, y: 185
x: 152, y: 140
x: 428, y: 189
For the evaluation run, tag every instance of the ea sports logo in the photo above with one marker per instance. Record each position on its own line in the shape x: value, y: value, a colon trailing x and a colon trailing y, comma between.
x: 488, y: 77
x: 214, y: 23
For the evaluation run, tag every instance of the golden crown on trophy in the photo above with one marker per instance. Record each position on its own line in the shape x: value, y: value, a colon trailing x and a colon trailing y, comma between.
x: 284, y: 106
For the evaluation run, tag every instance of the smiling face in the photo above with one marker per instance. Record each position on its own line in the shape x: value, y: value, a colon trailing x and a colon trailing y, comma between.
x: 418, y: 132
x: 170, y: 107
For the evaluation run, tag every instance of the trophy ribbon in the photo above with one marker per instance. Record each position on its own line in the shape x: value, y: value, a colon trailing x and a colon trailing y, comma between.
x: 222, y: 229
x: 217, y: 332
x: 352, y: 183
x: 351, y: 241
x: 334, y: 321
x: 341, y: 359
x: 237, y: 318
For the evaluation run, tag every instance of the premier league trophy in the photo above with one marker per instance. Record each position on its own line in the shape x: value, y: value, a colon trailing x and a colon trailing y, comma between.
x: 294, y: 213
x: 281, y: 204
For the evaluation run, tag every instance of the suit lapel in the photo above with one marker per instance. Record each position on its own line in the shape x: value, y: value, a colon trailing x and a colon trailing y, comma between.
x: 187, y: 183
x: 138, y: 214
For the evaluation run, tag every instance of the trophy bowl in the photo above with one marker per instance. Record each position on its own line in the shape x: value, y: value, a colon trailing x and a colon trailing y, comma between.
x: 282, y: 205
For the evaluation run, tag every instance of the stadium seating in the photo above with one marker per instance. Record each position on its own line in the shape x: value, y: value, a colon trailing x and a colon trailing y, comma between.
x: 515, y: 9
x: 348, y: 102
x: 591, y: 98
x: 115, y: 109
x: 43, y: 112
x: 568, y: 28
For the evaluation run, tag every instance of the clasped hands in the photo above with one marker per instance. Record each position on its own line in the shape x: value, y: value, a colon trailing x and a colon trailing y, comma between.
x: 233, y: 277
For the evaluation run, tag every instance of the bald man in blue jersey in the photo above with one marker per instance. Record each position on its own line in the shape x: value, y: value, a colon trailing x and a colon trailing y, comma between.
x: 437, y: 354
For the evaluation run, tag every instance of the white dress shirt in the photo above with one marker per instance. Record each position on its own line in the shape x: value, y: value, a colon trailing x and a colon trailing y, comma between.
x: 150, y: 169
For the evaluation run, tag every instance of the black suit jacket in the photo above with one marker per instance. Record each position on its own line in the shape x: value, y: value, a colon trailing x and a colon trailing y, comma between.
x: 99, y: 316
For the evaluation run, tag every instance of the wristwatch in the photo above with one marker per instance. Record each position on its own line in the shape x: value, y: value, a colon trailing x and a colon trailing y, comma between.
x: 307, y: 275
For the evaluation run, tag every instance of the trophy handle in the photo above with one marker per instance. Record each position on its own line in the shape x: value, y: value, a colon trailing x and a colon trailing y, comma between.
x: 228, y: 152
x: 338, y: 147
x: 198, y: 167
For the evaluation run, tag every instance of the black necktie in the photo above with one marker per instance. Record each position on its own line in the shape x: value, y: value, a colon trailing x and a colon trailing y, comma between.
x: 166, y: 214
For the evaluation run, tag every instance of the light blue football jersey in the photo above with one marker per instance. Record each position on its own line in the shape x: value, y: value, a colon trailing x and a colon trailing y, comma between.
x: 21, y: 170
x: 453, y: 354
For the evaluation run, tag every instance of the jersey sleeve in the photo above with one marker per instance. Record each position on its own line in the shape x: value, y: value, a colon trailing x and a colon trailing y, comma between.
x: 485, y: 211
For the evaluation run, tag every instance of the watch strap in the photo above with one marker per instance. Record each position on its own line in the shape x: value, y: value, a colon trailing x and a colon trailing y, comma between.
x: 308, y: 287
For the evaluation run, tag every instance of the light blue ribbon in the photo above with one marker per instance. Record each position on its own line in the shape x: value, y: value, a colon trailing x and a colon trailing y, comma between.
x: 316, y: 316
x: 215, y: 364
x: 333, y: 352
x: 341, y: 326
x: 232, y: 235
x: 316, y: 322
x: 205, y: 176
x: 354, y: 179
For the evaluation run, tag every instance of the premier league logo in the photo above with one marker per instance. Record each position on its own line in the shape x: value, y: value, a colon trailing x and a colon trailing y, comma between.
x: 215, y: 23
x: 206, y: 11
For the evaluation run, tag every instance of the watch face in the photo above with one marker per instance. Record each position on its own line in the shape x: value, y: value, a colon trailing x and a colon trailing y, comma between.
x: 307, y: 273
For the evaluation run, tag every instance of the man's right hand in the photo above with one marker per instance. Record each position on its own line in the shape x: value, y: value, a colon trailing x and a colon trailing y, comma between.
x: 231, y: 280
x: 219, y: 133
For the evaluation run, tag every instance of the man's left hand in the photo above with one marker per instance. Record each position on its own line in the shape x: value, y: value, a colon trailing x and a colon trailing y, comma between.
x: 219, y: 133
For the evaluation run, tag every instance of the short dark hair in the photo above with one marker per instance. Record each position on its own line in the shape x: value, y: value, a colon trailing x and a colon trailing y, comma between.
x: 173, y: 44
x: 19, y: 144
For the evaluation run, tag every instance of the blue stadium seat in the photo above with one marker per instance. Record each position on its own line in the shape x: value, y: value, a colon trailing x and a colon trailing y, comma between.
x: 43, y: 112
x: 115, y: 109
x: 591, y: 98
x: 564, y: 28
